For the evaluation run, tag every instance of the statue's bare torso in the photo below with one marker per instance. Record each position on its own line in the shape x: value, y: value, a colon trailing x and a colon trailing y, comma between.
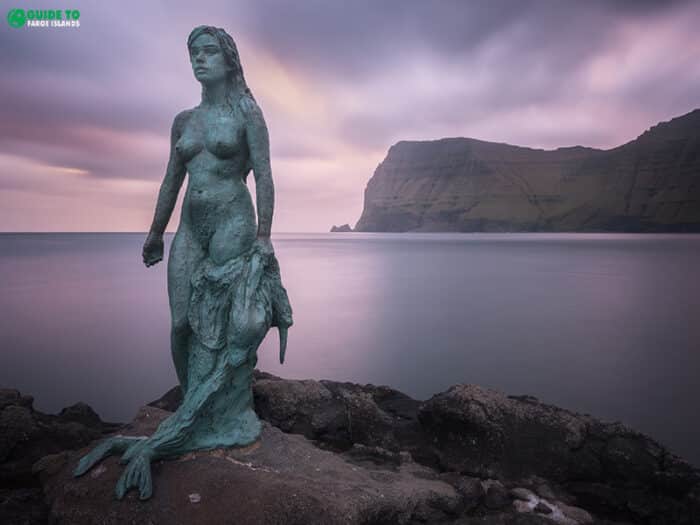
x: 217, y: 210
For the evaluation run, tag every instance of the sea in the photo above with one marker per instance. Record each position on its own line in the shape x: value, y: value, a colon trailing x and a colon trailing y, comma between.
x: 603, y: 324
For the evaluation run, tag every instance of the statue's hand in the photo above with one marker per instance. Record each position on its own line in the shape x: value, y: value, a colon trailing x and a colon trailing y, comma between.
x: 153, y: 249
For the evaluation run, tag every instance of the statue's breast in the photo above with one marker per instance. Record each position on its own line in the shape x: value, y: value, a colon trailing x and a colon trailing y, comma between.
x: 223, y: 137
x: 189, y: 144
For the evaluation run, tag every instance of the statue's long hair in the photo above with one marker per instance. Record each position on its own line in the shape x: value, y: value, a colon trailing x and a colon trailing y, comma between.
x: 236, y: 84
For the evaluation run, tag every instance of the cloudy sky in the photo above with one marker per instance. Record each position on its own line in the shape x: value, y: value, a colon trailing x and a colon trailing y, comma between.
x: 85, y: 113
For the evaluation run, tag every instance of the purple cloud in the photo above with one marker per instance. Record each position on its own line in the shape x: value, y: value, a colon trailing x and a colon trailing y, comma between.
x: 338, y: 85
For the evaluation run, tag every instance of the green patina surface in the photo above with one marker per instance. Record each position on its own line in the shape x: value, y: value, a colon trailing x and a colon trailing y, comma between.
x: 224, y: 280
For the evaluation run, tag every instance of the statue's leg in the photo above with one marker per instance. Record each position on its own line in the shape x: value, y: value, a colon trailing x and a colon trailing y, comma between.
x: 185, y: 254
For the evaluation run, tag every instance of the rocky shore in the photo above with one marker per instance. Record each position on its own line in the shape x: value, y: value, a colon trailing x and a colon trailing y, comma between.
x: 355, y: 454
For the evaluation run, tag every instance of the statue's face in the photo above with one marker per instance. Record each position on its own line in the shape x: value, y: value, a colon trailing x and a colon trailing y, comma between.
x: 207, y: 58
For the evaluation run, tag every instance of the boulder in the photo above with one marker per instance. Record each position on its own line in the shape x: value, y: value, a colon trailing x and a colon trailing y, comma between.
x: 27, y: 435
x: 483, y: 432
x: 608, y: 467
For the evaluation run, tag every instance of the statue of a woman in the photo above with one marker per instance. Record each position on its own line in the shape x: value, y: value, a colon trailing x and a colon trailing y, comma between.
x: 223, y: 278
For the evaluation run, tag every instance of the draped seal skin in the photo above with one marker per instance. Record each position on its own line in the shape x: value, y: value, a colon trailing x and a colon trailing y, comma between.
x: 224, y: 282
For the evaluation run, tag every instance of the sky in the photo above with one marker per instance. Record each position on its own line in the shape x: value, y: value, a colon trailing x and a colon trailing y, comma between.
x: 85, y: 113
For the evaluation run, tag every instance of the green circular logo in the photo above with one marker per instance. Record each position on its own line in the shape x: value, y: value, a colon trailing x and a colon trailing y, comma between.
x: 16, y: 17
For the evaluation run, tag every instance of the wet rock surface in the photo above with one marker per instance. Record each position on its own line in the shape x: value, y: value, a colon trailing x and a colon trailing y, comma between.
x: 345, y: 453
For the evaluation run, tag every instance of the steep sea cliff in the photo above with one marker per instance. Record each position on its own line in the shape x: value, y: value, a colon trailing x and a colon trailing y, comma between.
x: 651, y: 184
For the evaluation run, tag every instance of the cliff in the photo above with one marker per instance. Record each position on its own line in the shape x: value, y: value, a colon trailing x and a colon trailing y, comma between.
x: 651, y: 184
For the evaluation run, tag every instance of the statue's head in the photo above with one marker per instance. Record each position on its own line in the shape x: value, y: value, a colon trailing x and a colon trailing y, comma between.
x: 214, y: 57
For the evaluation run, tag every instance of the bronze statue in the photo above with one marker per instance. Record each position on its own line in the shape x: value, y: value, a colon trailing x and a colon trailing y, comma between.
x: 224, y: 283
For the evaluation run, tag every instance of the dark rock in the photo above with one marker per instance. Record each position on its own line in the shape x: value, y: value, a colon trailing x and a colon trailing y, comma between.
x: 602, y: 498
x: 169, y: 401
x: 13, y: 397
x: 340, y: 414
x: 23, y: 506
x: 542, y: 508
x: 575, y: 513
x: 482, y: 432
x: 81, y: 413
x: 545, y: 491
x: 472, y: 492
x: 18, y: 428
x: 304, y: 407
x: 283, y: 478
x: 345, y: 228
x: 497, y: 496
x: 26, y: 436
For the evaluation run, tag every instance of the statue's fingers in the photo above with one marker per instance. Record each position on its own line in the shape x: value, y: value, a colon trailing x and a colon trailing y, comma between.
x: 131, y: 474
x: 121, y: 489
x: 137, y: 478
x: 145, y: 483
x: 93, y: 457
x: 83, y: 466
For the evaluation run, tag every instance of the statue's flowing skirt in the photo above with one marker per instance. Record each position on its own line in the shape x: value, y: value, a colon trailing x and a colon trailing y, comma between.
x: 232, y: 307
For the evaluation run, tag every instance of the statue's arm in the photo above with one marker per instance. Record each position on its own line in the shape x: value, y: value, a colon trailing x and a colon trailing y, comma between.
x: 259, y: 146
x: 172, y: 182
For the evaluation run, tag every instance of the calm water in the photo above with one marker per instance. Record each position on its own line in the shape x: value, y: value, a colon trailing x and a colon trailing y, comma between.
x: 600, y: 323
